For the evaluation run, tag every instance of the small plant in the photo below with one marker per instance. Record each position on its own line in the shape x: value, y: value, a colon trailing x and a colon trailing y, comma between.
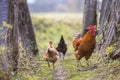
x: 98, y: 38
x: 6, y: 24
x: 110, y: 49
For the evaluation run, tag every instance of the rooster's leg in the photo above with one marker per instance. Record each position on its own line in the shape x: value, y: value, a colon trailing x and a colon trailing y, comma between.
x: 78, y: 57
x: 79, y: 64
x: 87, y: 57
x: 87, y: 62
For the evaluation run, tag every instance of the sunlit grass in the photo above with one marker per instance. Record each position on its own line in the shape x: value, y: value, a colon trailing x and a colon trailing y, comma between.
x: 106, y: 70
x: 72, y: 70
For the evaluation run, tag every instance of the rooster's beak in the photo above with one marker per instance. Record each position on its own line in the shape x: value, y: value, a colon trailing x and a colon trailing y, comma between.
x: 87, y: 29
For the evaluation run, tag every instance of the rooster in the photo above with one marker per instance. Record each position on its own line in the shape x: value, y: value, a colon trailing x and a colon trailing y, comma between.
x: 87, y: 45
x: 76, y: 41
x: 51, y: 55
x: 62, y: 47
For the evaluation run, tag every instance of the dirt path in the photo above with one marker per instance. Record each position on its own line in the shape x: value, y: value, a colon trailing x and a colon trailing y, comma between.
x: 59, y: 73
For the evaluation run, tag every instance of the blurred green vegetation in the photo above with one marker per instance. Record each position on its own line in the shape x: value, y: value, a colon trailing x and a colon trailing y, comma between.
x: 51, y: 28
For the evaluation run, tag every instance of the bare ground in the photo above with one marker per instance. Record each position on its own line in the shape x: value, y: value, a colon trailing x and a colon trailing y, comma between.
x: 60, y: 73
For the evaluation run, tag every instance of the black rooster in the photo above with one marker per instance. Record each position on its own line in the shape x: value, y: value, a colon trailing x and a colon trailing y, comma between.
x: 62, y: 47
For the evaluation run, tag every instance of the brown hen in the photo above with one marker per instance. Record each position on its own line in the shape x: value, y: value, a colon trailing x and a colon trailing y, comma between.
x: 51, y: 55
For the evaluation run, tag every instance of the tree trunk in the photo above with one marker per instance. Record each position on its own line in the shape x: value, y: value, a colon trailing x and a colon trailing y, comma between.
x: 109, y: 28
x: 89, y: 14
x: 19, y: 18
x: 11, y: 60
x: 26, y: 29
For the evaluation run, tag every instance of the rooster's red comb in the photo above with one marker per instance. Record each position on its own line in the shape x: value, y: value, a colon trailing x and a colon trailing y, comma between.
x: 91, y: 27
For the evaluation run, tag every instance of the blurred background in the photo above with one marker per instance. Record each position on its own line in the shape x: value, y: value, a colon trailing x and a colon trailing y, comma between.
x: 38, y: 6
x: 53, y: 18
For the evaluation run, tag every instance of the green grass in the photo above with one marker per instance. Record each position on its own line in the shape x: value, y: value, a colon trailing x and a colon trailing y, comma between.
x: 36, y: 69
x: 106, y: 70
x: 72, y: 70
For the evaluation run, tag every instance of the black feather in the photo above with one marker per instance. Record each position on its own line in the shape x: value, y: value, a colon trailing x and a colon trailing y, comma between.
x: 62, y: 46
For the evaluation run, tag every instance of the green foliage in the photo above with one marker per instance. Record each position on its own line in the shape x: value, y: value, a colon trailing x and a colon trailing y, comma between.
x: 4, y: 76
x: 6, y: 24
x: 1, y: 28
x: 110, y: 49
x: 2, y: 49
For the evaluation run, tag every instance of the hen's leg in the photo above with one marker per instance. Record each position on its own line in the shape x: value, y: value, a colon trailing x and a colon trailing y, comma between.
x: 63, y: 56
x: 48, y: 64
x: 60, y: 54
x: 53, y: 66
x: 78, y: 63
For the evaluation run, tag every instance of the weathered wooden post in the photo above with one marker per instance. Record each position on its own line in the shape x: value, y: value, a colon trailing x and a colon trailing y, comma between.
x: 109, y: 26
x: 90, y: 15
